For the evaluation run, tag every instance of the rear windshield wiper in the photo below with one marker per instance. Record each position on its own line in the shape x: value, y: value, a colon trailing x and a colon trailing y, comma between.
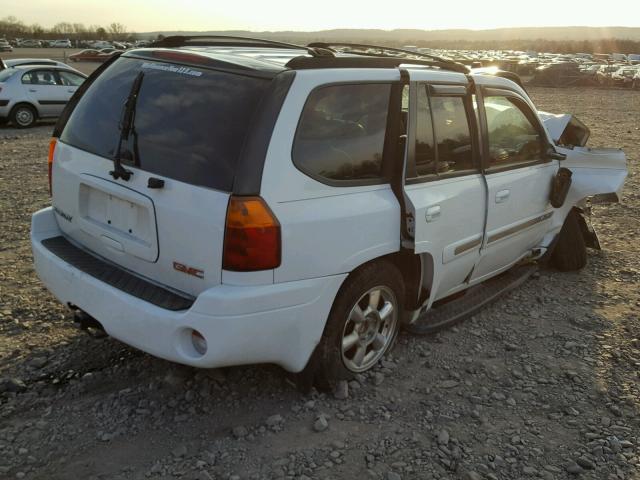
x: 126, y: 127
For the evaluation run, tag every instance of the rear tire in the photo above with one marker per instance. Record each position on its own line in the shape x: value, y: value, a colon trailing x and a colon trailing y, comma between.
x: 23, y: 116
x: 570, y: 251
x: 362, y: 326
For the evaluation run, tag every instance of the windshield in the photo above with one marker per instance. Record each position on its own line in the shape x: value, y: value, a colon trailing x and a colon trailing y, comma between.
x: 190, y: 123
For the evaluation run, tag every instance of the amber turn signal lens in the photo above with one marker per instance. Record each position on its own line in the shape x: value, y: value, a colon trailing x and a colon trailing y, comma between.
x: 252, y: 236
x: 52, y: 148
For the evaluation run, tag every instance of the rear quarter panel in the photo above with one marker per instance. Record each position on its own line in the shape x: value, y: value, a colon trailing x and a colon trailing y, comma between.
x: 326, y: 230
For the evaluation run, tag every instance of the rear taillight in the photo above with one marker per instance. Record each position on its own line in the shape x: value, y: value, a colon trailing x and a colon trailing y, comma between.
x: 52, y: 148
x: 251, y: 237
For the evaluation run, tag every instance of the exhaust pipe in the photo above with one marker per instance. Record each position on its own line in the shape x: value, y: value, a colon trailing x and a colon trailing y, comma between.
x: 86, y: 322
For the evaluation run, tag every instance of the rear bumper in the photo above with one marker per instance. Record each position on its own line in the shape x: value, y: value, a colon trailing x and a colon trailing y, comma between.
x: 277, y: 323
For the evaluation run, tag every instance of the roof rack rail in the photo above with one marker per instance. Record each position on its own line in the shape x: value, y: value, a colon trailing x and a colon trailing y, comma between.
x: 231, y: 41
x: 368, y: 61
x: 381, y: 51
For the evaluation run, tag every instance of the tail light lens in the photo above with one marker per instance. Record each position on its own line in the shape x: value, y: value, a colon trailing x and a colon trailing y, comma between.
x: 252, y: 236
x: 52, y: 148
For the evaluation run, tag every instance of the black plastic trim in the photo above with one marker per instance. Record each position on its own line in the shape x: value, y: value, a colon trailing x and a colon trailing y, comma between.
x: 116, y: 276
x: 384, y: 51
x: 248, y: 176
x: 52, y: 102
x: 439, y: 90
x: 4, y: 103
x: 222, y: 41
x: 305, y: 63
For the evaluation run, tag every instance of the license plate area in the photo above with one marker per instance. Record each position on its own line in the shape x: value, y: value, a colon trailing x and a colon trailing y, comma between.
x: 122, y: 219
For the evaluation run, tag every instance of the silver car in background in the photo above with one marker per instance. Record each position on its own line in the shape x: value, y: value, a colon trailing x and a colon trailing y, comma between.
x: 28, y: 93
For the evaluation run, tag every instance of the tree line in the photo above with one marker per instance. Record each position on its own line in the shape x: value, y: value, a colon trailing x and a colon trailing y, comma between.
x: 11, y: 27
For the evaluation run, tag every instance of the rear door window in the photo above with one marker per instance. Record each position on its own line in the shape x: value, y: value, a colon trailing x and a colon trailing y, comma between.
x: 443, y: 142
x: 190, y: 123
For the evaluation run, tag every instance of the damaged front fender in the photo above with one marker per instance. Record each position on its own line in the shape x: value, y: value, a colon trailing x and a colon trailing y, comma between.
x: 598, y: 174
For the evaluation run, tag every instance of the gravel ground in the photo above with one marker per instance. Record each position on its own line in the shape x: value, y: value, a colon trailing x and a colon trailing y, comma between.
x: 544, y: 383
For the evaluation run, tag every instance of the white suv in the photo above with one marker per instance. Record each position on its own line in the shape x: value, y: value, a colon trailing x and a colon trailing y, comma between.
x: 223, y: 201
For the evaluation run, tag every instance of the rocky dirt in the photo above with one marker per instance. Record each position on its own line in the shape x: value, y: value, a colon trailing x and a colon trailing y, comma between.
x: 544, y: 383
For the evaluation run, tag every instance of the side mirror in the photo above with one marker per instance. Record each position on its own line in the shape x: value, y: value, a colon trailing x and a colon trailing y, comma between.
x: 554, y: 155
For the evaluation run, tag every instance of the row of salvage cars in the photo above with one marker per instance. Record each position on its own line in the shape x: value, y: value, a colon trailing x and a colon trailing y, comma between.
x: 556, y: 70
x: 569, y: 74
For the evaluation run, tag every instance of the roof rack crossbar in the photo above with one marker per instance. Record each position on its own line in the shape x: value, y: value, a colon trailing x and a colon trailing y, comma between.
x: 353, y: 48
x: 232, y: 41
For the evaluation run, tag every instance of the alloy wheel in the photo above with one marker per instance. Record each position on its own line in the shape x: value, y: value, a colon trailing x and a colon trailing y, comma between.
x: 369, y: 329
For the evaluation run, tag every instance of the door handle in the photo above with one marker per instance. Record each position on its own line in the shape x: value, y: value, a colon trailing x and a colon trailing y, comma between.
x: 71, y: 91
x: 502, y: 196
x: 432, y: 213
x: 32, y: 90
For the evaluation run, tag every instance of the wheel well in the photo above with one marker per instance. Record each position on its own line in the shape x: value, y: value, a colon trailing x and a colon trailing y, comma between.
x: 417, y: 284
x: 27, y: 104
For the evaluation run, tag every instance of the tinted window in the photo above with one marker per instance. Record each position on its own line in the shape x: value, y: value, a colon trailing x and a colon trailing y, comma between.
x: 451, y: 149
x: 40, y: 77
x: 341, y: 132
x: 70, y: 79
x: 425, y: 153
x: 512, y: 137
x: 455, y: 151
x: 189, y: 123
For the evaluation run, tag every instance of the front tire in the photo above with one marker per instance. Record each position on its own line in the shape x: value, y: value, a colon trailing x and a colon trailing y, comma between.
x: 570, y: 251
x: 23, y: 116
x: 362, y: 326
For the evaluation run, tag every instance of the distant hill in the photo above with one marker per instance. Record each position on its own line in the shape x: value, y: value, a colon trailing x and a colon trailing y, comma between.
x: 409, y: 36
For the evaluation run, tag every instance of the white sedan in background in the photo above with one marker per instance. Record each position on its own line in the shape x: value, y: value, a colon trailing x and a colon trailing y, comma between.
x: 28, y: 93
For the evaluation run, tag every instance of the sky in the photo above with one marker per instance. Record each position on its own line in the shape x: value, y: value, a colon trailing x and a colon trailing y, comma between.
x: 301, y: 15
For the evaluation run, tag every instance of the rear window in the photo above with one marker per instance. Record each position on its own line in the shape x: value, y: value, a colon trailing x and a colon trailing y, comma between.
x: 190, y: 123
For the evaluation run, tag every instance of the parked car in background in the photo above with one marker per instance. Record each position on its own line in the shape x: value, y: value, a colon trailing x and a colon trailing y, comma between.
x: 15, y: 62
x: 634, y: 58
x: 557, y: 74
x: 31, y: 44
x: 61, y: 44
x: 98, y: 44
x: 603, y: 75
x: 623, y: 77
x: 5, y: 46
x: 91, y: 55
x: 31, y: 92
x: 636, y: 81
x: 221, y: 204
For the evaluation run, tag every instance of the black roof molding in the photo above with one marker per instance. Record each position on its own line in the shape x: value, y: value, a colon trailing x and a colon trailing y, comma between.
x: 382, y: 51
x: 231, y: 41
x: 368, y: 61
